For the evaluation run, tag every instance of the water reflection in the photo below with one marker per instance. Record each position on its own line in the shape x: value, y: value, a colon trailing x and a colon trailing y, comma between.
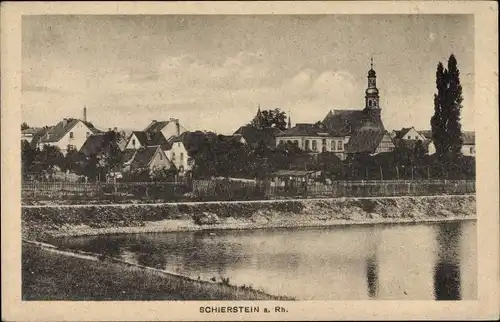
x: 447, y: 269
x: 372, y: 275
x: 415, y: 262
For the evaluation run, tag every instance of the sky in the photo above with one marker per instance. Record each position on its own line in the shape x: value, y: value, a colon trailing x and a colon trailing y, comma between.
x: 213, y: 71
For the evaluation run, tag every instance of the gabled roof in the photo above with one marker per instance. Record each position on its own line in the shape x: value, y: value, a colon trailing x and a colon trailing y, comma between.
x: 59, y: 131
x: 254, y: 135
x: 345, y: 122
x: 401, y: 133
x: 193, y: 141
x: 468, y: 137
x: 31, y: 130
x: 156, y: 126
x: 366, y: 139
x: 410, y: 144
x: 427, y: 134
x: 305, y: 129
x: 142, y: 157
x: 152, y: 139
x: 99, y: 143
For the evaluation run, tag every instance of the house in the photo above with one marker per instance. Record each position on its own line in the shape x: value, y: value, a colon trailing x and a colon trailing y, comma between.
x: 253, y: 136
x: 345, y: 131
x: 314, y: 138
x: 468, y: 142
x: 151, y: 157
x: 101, y: 143
x: 408, y: 134
x: 28, y: 134
x: 409, y: 138
x: 68, y: 134
x: 184, y: 146
x: 142, y: 139
x: 169, y: 128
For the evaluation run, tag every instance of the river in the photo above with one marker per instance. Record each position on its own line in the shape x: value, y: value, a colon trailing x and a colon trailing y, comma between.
x: 414, y: 262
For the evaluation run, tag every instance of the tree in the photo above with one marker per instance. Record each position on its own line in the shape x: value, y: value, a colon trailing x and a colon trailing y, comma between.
x: 49, y: 158
x: 269, y: 119
x: 24, y: 126
x: 445, y: 123
x: 28, y: 155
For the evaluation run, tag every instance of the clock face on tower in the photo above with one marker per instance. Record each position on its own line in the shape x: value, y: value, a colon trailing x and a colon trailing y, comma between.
x: 371, y: 82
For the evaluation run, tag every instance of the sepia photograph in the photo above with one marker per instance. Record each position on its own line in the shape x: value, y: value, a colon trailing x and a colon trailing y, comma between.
x: 248, y: 157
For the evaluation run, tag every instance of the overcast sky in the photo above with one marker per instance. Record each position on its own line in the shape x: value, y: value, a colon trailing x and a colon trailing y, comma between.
x: 211, y: 72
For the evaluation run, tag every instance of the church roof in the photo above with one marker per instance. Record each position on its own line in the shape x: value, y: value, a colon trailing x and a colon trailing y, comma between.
x: 366, y: 139
x: 306, y: 129
x: 345, y: 122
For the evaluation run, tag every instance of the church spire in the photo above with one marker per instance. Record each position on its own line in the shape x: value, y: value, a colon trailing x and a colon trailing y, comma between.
x: 372, y: 97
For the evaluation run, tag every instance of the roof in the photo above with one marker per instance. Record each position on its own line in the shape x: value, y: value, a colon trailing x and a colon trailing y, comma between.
x: 468, y: 137
x: 99, y: 143
x: 345, y: 122
x: 254, y: 135
x: 366, y: 139
x: 152, y: 139
x: 31, y: 130
x: 156, y: 126
x: 140, y: 158
x: 58, y: 131
x: 305, y: 129
x: 193, y: 141
x: 401, y: 133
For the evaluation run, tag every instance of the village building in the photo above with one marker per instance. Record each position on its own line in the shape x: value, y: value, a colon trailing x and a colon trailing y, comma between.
x: 408, y: 138
x: 345, y: 132
x: 67, y: 134
x: 151, y: 158
x: 143, y: 139
x: 468, y: 143
x: 184, y: 146
x: 169, y: 128
x: 255, y: 135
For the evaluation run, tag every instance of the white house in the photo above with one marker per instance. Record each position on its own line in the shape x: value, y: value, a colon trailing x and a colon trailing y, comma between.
x: 68, y: 134
x: 169, y: 128
x: 179, y: 156
x: 468, y: 142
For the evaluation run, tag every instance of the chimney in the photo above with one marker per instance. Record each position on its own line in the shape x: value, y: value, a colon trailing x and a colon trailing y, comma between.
x: 85, y: 114
x: 65, y: 121
x: 178, y: 127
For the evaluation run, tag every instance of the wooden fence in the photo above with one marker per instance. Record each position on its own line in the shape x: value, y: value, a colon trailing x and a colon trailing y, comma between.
x: 237, y: 190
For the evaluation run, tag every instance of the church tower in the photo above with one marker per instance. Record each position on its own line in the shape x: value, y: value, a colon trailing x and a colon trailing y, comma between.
x: 372, y: 100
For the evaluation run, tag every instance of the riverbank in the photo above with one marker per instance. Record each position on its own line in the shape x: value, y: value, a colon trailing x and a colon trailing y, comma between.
x: 49, y: 273
x: 43, y: 223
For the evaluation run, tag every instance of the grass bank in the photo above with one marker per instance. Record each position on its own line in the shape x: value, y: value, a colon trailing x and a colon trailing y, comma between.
x: 53, y: 274
x: 42, y: 223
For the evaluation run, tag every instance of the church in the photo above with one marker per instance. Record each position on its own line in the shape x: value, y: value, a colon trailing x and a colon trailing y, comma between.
x: 345, y: 132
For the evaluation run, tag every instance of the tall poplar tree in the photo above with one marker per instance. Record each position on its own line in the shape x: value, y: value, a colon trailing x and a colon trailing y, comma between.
x: 445, y: 123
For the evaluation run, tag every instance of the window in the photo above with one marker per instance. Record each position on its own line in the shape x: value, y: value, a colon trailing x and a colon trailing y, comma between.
x: 314, y: 145
x: 87, y: 134
x: 307, y: 145
x: 133, y: 142
x: 296, y: 142
x: 182, y: 157
x: 173, y: 156
x: 471, y: 150
x: 340, y: 145
x: 161, y: 156
x: 71, y: 135
x: 370, y: 103
x: 333, y: 145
